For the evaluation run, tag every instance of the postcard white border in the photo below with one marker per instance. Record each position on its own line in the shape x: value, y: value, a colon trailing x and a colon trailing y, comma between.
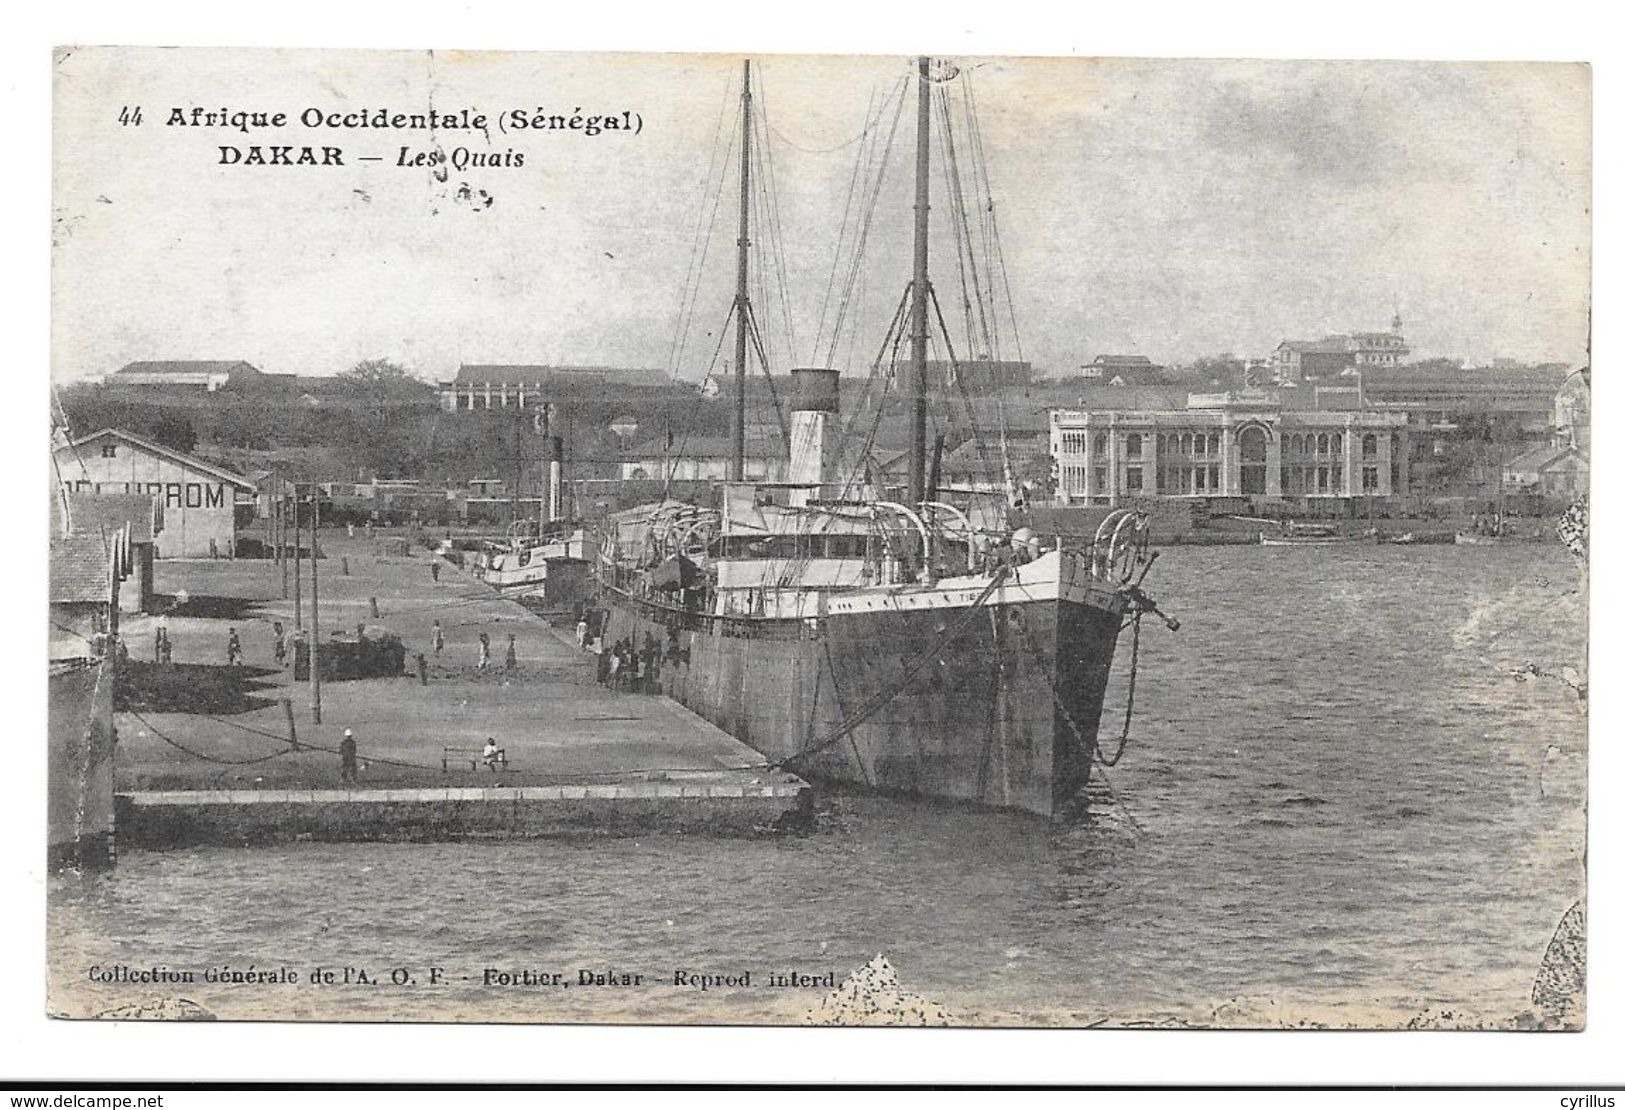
x: 34, y: 1046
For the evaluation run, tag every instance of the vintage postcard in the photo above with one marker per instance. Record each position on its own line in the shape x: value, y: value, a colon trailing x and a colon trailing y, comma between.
x: 818, y: 540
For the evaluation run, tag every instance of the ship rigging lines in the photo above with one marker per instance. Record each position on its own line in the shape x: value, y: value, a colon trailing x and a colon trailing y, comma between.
x: 761, y: 314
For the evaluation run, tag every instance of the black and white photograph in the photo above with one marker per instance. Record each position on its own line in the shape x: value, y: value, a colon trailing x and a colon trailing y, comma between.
x: 772, y: 539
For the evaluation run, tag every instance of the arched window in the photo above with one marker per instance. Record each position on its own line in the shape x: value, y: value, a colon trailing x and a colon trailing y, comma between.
x: 1135, y: 444
x: 1161, y: 442
x: 1324, y: 444
x: 1368, y: 447
x: 1254, y: 445
x: 1337, y: 444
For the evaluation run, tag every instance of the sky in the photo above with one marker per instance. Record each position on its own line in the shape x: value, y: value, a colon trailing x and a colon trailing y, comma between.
x: 1167, y: 208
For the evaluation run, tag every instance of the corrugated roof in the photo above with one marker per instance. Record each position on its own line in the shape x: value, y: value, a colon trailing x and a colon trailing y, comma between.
x: 81, y: 569
x: 105, y: 513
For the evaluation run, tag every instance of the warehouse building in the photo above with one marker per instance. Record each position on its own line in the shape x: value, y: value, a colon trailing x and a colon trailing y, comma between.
x: 198, y: 499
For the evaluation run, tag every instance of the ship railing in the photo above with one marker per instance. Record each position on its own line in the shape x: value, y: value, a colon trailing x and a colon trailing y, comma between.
x: 735, y: 625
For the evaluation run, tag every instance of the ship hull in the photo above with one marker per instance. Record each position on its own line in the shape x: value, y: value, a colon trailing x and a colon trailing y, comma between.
x: 996, y: 703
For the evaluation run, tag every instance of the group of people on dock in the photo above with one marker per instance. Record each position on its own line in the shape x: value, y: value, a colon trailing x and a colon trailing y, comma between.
x: 626, y: 667
x: 510, y: 660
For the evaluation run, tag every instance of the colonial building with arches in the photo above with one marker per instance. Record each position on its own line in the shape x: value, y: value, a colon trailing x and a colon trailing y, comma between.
x: 1228, y: 445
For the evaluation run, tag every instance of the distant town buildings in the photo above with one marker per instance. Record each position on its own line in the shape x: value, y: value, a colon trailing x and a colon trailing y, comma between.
x: 1122, y: 370
x: 707, y: 458
x: 978, y: 377
x: 1437, y: 396
x: 1345, y: 415
x: 490, y: 386
x: 977, y: 465
x: 185, y: 376
x: 1561, y: 472
x: 1227, y: 445
x: 1295, y: 361
x: 207, y: 376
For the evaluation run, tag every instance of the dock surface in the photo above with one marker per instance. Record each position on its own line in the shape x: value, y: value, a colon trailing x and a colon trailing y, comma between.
x: 215, y: 741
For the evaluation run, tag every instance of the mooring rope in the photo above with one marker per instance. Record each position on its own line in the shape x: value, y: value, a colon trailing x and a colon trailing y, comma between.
x: 880, y: 700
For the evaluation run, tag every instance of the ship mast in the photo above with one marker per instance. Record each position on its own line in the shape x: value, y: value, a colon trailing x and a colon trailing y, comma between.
x: 921, y: 290
x: 736, y: 470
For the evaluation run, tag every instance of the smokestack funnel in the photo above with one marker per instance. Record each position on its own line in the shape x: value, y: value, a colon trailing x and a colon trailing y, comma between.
x: 818, y: 389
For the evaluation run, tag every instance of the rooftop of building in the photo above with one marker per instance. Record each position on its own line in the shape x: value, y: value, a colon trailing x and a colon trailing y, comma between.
x: 101, y: 514
x: 762, y: 446
x: 185, y: 367
x: 1545, y: 376
x: 81, y: 569
x: 987, y: 455
x: 1119, y: 397
x: 191, y: 461
x: 1542, y: 457
x: 544, y: 376
x: 1325, y: 345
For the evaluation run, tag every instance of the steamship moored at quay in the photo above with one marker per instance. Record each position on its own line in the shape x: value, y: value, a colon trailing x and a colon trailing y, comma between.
x: 896, y: 640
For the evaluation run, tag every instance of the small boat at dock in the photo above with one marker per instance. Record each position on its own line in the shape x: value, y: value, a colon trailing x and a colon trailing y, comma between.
x: 1304, y: 535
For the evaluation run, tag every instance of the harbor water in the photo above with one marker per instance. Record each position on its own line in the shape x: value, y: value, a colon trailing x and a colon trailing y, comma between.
x: 1344, y: 801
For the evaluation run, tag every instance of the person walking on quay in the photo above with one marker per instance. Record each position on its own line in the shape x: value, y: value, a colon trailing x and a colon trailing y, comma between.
x: 485, y: 651
x: 634, y: 676
x: 347, y: 763
x: 160, y: 637
x: 510, y: 662
x: 438, y: 635
x: 434, y: 570
x: 279, y: 647
x: 234, y: 648
x: 581, y: 634
x: 651, y: 660
x: 615, y: 666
